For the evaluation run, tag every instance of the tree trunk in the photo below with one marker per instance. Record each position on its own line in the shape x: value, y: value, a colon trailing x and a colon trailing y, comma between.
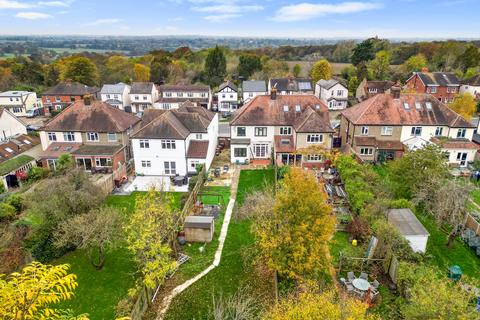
x: 97, y: 262
x: 451, y: 236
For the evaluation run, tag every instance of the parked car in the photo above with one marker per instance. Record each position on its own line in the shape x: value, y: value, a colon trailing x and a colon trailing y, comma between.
x: 32, y: 113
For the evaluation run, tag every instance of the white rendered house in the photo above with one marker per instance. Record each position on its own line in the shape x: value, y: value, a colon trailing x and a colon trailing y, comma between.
x: 227, y: 97
x: 253, y: 88
x: 10, y: 125
x: 332, y: 93
x: 143, y: 96
x: 116, y: 95
x: 18, y: 102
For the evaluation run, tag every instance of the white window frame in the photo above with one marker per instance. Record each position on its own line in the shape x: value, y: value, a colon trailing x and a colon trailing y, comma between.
x: 387, y: 131
x: 93, y: 136
x: 261, y: 150
x: 286, y: 131
x: 416, y: 131
x: 366, y: 151
x: 168, y: 144
x: 461, y: 133
x: 438, y: 131
x: 364, y: 131
x: 98, y: 162
x: 314, y: 138
x: 111, y: 135
x: 144, y: 144
x: 237, y: 155
x: 261, y: 131
x: 52, y: 136
x: 170, y: 167
x: 69, y: 136
x: 146, y: 163
x: 244, y: 132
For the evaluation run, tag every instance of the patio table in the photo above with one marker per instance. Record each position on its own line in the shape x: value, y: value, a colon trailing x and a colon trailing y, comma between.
x: 361, y: 284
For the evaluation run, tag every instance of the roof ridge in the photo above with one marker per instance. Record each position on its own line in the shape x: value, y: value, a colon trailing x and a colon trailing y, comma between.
x: 151, y: 121
x: 369, y: 105
x: 174, y: 127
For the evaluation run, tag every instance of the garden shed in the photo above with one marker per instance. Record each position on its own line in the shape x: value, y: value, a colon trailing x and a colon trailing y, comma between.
x: 199, y: 228
x: 410, y: 227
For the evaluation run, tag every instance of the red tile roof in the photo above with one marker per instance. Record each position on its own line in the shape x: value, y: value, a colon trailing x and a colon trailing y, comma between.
x: 262, y: 110
x: 455, y: 143
x: 384, y: 109
x: 197, y: 149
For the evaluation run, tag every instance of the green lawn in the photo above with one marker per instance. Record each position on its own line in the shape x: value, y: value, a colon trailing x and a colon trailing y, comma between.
x: 443, y: 257
x: 476, y: 195
x: 233, y: 271
x: 341, y: 243
x: 99, y: 291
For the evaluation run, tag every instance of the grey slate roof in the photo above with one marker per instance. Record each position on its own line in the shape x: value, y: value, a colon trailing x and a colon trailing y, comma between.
x: 114, y: 88
x: 200, y: 222
x: 229, y: 84
x: 69, y: 88
x: 292, y: 84
x: 142, y: 88
x: 406, y: 222
x: 254, y: 86
x: 327, y: 84
x: 439, y: 78
x: 473, y: 81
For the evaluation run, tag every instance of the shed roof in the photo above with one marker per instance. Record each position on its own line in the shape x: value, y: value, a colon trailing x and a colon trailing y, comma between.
x: 254, y: 86
x: 199, y: 222
x: 406, y: 222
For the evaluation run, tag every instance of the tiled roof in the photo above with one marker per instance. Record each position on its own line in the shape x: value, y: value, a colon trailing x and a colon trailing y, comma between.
x: 96, y: 117
x: 181, y: 99
x: 254, y: 86
x: 70, y: 89
x: 17, y: 144
x: 439, y: 78
x: 114, y: 88
x: 56, y: 149
x: 197, y: 149
x: 98, y: 150
x: 292, y: 84
x: 381, y: 86
x: 473, y: 81
x: 142, y: 88
x: 229, y: 84
x: 311, y: 115
x: 174, y: 124
x: 454, y: 143
x: 384, y: 109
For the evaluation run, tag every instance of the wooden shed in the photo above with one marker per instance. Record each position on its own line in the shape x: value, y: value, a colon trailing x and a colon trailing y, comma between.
x: 199, y: 228
x: 410, y: 228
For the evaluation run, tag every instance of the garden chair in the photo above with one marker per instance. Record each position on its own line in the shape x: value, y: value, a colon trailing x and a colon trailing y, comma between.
x: 351, y: 276
x: 359, y: 292
x: 364, y: 276
x: 375, y: 285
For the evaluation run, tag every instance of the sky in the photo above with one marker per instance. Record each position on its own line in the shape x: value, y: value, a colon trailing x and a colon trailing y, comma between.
x: 250, y: 18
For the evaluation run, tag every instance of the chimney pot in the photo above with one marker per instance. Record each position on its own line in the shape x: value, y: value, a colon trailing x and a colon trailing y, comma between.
x: 87, y: 99
x: 395, y: 91
x: 273, y: 94
x: 425, y: 69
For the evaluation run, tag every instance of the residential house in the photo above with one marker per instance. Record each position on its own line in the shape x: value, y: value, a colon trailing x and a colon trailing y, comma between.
x: 386, y: 125
x: 472, y: 86
x: 173, y: 96
x: 332, y: 93
x: 174, y: 142
x: 93, y: 132
x: 442, y: 85
x: 282, y: 126
x: 253, y: 88
x: 18, y: 102
x: 368, y: 89
x: 64, y: 94
x: 291, y: 85
x: 227, y: 96
x: 117, y: 95
x: 17, y: 156
x: 10, y: 125
x: 143, y: 95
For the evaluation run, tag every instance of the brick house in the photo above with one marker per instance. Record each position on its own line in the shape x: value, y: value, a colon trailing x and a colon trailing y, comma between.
x: 368, y: 89
x: 387, y: 125
x: 93, y: 132
x: 64, y: 94
x: 442, y: 85
x: 283, y: 127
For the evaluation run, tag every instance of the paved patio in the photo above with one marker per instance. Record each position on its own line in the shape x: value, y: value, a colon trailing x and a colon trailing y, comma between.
x: 144, y: 183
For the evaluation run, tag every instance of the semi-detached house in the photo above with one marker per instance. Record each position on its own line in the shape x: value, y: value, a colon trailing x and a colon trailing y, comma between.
x: 174, y: 142
x: 64, y: 94
x: 387, y: 125
x: 282, y: 126
x: 173, y: 96
x: 142, y: 96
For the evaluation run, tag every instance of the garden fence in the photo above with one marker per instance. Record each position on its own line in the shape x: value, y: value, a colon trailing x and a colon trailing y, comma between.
x: 146, y: 295
x: 472, y: 223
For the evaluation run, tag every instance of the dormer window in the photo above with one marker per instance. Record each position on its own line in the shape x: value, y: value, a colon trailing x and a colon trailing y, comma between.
x: 406, y: 106
x: 285, y: 108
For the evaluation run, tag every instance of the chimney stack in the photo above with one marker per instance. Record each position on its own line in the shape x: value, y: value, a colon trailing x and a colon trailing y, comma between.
x: 395, y: 91
x: 273, y: 94
x: 87, y: 99
x: 425, y: 69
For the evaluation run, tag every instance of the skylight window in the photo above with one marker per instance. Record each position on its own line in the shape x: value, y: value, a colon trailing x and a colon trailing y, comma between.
x: 406, y: 106
x: 297, y: 108
x: 428, y: 105
x: 317, y: 106
x: 26, y: 141
x: 9, y: 150
x: 285, y: 108
x: 418, y: 106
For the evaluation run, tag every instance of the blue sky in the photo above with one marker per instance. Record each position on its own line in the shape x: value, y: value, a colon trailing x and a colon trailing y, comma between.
x: 281, y: 18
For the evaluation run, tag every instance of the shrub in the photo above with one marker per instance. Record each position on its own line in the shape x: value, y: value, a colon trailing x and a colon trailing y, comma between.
x: 36, y: 173
x: 389, y: 238
x: 400, y: 204
x: 16, y: 201
x: 359, y: 229
x: 7, y: 211
x: 192, y: 182
x: 2, y: 188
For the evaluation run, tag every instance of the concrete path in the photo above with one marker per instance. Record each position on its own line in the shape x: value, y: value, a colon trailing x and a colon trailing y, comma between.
x: 162, y: 310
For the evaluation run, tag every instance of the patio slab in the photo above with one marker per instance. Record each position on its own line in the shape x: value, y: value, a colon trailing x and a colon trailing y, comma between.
x: 144, y: 183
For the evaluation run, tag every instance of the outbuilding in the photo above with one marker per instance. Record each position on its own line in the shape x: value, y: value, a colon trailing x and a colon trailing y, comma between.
x: 199, y: 228
x: 410, y: 227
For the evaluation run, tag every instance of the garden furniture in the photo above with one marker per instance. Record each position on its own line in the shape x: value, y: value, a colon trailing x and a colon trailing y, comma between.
x: 375, y: 284
x: 361, y: 284
x: 364, y: 276
x: 350, y: 276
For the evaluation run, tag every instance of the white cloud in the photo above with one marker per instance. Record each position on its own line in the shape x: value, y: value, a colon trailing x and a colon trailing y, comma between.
x: 305, y: 11
x: 54, y: 3
x: 228, y: 8
x: 103, y: 22
x: 33, y: 15
x: 221, y: 17
x: 9, y: 4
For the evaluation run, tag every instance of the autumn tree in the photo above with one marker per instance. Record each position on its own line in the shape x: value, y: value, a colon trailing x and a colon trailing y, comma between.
x: 94, y: 231
x: 32, y: 293
x: 296, y: 70
x: 380, y: 66
x: 414, y: 63
x: 415, y: 168
x: 353, y: 84
x: 248, y: 64
x: 80, y: 69
x: 431, y: 296
x: 215, y: 66
x: 141, y: 73
x: 273, y: 68
x: 324, y: 305
x: 293, y: 237
x: 469, y: 58
x: 465, y: 105
x: 150, y: 235
x: 119, y: 69
x: 321, y: 70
